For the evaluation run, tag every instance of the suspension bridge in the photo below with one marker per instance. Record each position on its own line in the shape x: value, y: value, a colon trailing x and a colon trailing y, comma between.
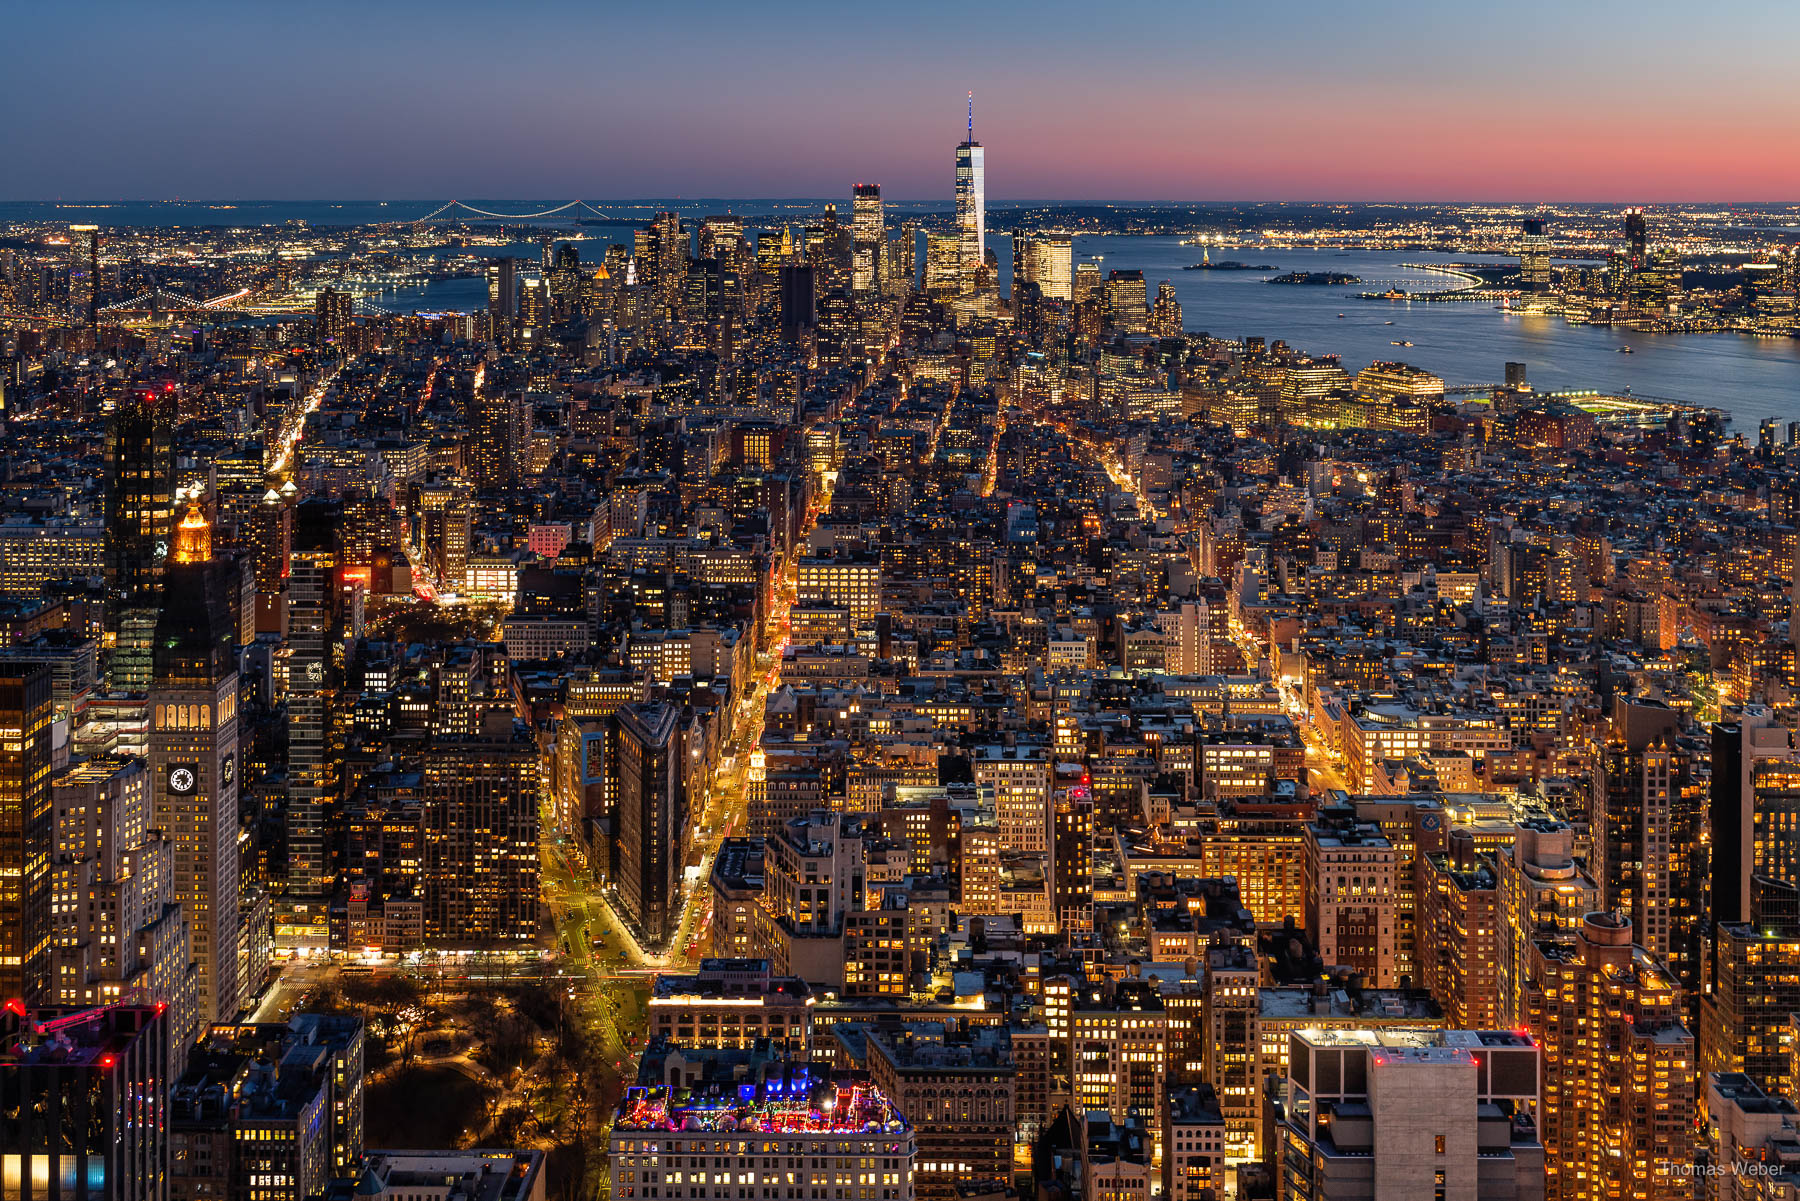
x: 458, y: 210
x: 160, y: 300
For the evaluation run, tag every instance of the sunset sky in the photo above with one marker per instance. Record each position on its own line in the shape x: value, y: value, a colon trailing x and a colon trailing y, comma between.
x: 1391, y: 99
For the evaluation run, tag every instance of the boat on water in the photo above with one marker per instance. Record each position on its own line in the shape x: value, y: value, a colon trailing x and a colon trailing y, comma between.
x: 1314, y: 278
x: 1340, y: 316
x: 1229, y: 265
x: 1387, y: 322
x: 1399, y: 343
x: 1625, y: 350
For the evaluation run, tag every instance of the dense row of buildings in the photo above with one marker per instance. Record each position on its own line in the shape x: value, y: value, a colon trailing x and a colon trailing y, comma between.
x: 1644, y: 283
x: 1086, y: 756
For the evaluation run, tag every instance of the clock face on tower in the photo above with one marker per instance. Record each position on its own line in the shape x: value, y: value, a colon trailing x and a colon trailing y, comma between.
x: 181, y: 778
x: 228, y: 769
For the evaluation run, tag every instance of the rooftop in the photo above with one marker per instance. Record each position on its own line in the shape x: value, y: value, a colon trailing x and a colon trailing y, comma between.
x: 478, y: 1174
x: 794, y: 1106
x: 56, y: 1037
x: 1371, y: 1004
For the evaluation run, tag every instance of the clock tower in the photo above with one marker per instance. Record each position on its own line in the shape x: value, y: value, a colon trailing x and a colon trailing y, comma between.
x: 193, y: 762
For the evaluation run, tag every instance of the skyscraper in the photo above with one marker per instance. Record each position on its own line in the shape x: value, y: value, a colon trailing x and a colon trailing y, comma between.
x: 1544, y: 896
x: 1755, y: 992
x: 25, y: 828
x: 534, y: 309
x: 499, y: 427
x: 1021, y: 779
x: 84, y: 274
x: 652, y: 818
x: 1044, y: 260
x: 1633, y: 816
x: 1085, y: 281
x: 270, y: 537
x: 1534, y: 256
x: 481, y: 837
x: 798, y: 312
x: 312, y: 619
x: 1618, y: 1096
x: 899, y: 274
x: 118, y: 929
x: 1409, y: 1113
x: 943, y: 265
x: 1743, y: 740
x: 1165, y: 314
x: 441, y: 517
x: 1352, y: 924
x: 1127, y: 300
x: 671, y: 257
x: 94, y: 1090
x: 1772, y: 840
x: 971, y: 203
x: 140, y: 513
x: 868, y: 237
x: 193, y: 766
x: 332, y: 314
x: 703, y: 293
x: 828, y: 250
x: 1072, y: 857
x: 1637, y: 238
x: 503, y: 298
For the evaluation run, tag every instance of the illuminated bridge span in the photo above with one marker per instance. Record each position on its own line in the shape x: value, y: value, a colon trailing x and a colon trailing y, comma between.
x: 153, y: 300
x: 451, y: 212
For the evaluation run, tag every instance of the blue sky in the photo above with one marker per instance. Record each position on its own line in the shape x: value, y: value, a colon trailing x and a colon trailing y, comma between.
x: 391, y: 99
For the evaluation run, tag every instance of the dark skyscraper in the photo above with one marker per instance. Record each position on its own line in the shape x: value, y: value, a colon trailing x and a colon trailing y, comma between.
x: 95, y: 1090
x: 140, y: 492
x: 503, y: 298
x: 1748, y: 838
x: 313, y: 606
x: 652, y: 818
x: 481, y: 837
x: 703, y: 297
x: 84, y: 274
x: 797, y: 301
x: 1072, y: 857
x: 333, y: 311
x: 1649, y: 818
x: 1637, y: 237
x: 140, y: 513
x: 25, y: 828
x: 499, y: 425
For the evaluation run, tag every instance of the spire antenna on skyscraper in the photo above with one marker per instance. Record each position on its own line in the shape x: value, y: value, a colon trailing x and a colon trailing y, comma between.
x: 971, y: 201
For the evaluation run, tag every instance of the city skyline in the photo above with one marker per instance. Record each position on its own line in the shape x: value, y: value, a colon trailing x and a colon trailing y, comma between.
x: 1157, y: 103
x: 900, y: 695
